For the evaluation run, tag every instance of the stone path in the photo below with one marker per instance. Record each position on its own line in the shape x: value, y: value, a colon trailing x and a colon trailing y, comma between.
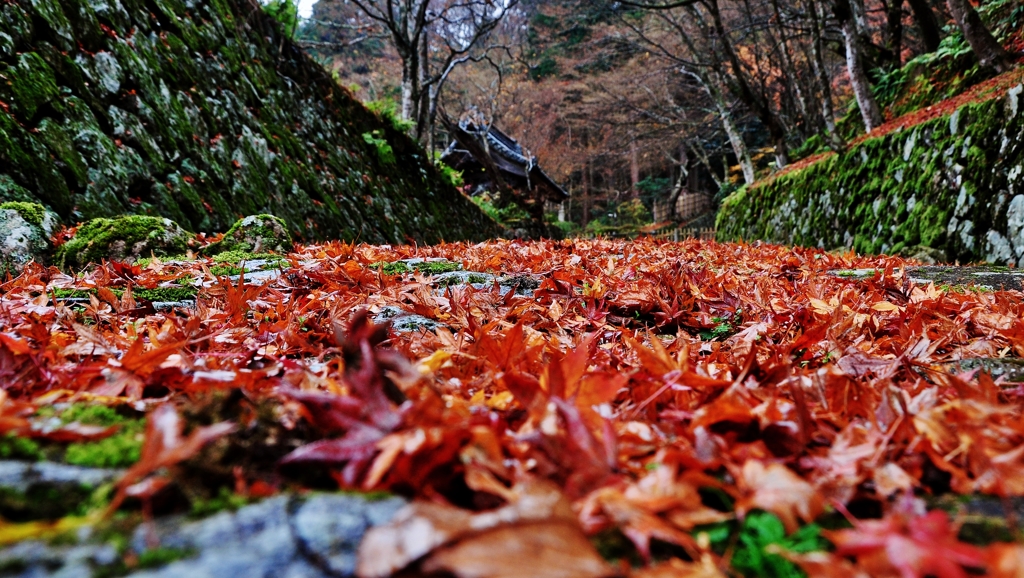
x: 989, y: 277
x: 288, y: 536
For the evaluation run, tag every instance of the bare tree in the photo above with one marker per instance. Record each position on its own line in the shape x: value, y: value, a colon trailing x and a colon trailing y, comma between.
x: 821, y: 76
x: 869, y: 109
x: 432, y: 38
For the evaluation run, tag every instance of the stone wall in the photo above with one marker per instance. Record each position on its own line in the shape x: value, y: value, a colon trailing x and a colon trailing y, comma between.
x: 953, y: 183
x: 200, y: 111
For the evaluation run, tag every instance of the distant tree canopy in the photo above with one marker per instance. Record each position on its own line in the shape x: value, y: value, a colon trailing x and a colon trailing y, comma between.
x: 615, y: 97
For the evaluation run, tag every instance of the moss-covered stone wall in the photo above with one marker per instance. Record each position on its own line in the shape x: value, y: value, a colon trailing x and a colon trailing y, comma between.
x: 199, y: 111
x: 954, y: 183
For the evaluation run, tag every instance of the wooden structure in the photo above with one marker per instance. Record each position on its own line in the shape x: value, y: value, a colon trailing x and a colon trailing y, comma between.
x: 491, y: 160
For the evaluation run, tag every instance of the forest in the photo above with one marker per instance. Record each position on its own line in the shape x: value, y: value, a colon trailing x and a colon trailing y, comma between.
x: 676, y: 104
x: 512, y: 288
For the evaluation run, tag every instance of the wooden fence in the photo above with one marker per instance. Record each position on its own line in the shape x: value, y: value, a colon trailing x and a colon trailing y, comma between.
x: 674, y: 234
x: 679, y: 233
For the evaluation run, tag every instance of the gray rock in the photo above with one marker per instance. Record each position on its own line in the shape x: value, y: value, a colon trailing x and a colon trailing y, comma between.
x: 522, y: 284
x: 25, y: 230
x: 21, y: 476
x: 171, y: 305
x: 926, y: 255
x: 404, y: 321
x: 123, y: 238
x: 330, y: 527
x: 34, y: 558
x: 984, y: 276
x: 285, y: 536
x: 988, y: 277
x: 1011, y: 370
x: 255, y: 234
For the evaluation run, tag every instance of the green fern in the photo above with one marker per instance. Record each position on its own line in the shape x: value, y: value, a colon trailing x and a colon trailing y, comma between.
x: 751, y: 557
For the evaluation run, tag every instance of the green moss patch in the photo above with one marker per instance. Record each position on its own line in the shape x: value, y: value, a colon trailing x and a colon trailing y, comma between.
x: 122, y: 238
x: 155, y: 295
x: 221, y: 270
x: 437, y: 267
x: 158, y: 557
x: 225, y: 500
x: 396, y: 268
x: 236, y: 257
x: 117, y: 451
x: 425, y: 267
x: 32, y: 212
x: 165, y: 294
x: 254, y: 234
x: 13, y: 447
x: 238, y: 262
x: 42, y: 502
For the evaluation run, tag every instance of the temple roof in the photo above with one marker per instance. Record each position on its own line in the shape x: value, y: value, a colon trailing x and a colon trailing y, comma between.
x: 481, y: 153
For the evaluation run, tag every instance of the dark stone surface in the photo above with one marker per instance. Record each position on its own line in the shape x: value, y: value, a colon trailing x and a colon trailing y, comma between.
x: 996, y: 278
x: 1010, y: 369
x: 989, y: 277
x: 202, y: 112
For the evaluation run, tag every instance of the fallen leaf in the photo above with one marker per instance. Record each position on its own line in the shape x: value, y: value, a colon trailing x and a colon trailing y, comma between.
x: 776, y: 489
x: 914, y: 546
x: 555, y: 550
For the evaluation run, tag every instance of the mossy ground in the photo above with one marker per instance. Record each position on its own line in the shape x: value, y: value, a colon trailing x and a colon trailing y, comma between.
x: 155, y: 295
x: 425, y: 267
x: 13, y: 447
x: 117, y: 451
x: 472, y: 279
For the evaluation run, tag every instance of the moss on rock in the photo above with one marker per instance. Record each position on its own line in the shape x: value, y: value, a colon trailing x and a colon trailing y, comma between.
x: 25, y: 230
x: 254, y: 234
x: 11, y: 191
x: 123, y: 238
x: 947, y: 188
x: 33, y: 213
x: 202, y: 112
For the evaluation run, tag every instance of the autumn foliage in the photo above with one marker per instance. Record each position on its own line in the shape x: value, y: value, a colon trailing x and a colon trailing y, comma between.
x: 644, y: 388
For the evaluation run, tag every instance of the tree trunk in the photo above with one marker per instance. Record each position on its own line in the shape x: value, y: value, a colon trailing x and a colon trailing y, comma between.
x: 869, y: 110
x: 760, y: 106
x: 410, y: 86
x: 712, y: 85
x: 824, y: 83
x: 634, y: 169
x: 894, y: 32
x: 586, y: 193
x: 821, y: 76
x: 423, y: 105
x: 787, y: 61
x: 702, y: 155
x: 684, y: 177
x: 985, y: 46
x: 931, y: 33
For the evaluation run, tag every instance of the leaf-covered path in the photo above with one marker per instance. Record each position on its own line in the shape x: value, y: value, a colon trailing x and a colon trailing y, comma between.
x: 649, y: 395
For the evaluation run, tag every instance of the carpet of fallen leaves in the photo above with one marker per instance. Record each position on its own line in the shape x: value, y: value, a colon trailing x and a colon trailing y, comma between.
x: 644, y: 388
